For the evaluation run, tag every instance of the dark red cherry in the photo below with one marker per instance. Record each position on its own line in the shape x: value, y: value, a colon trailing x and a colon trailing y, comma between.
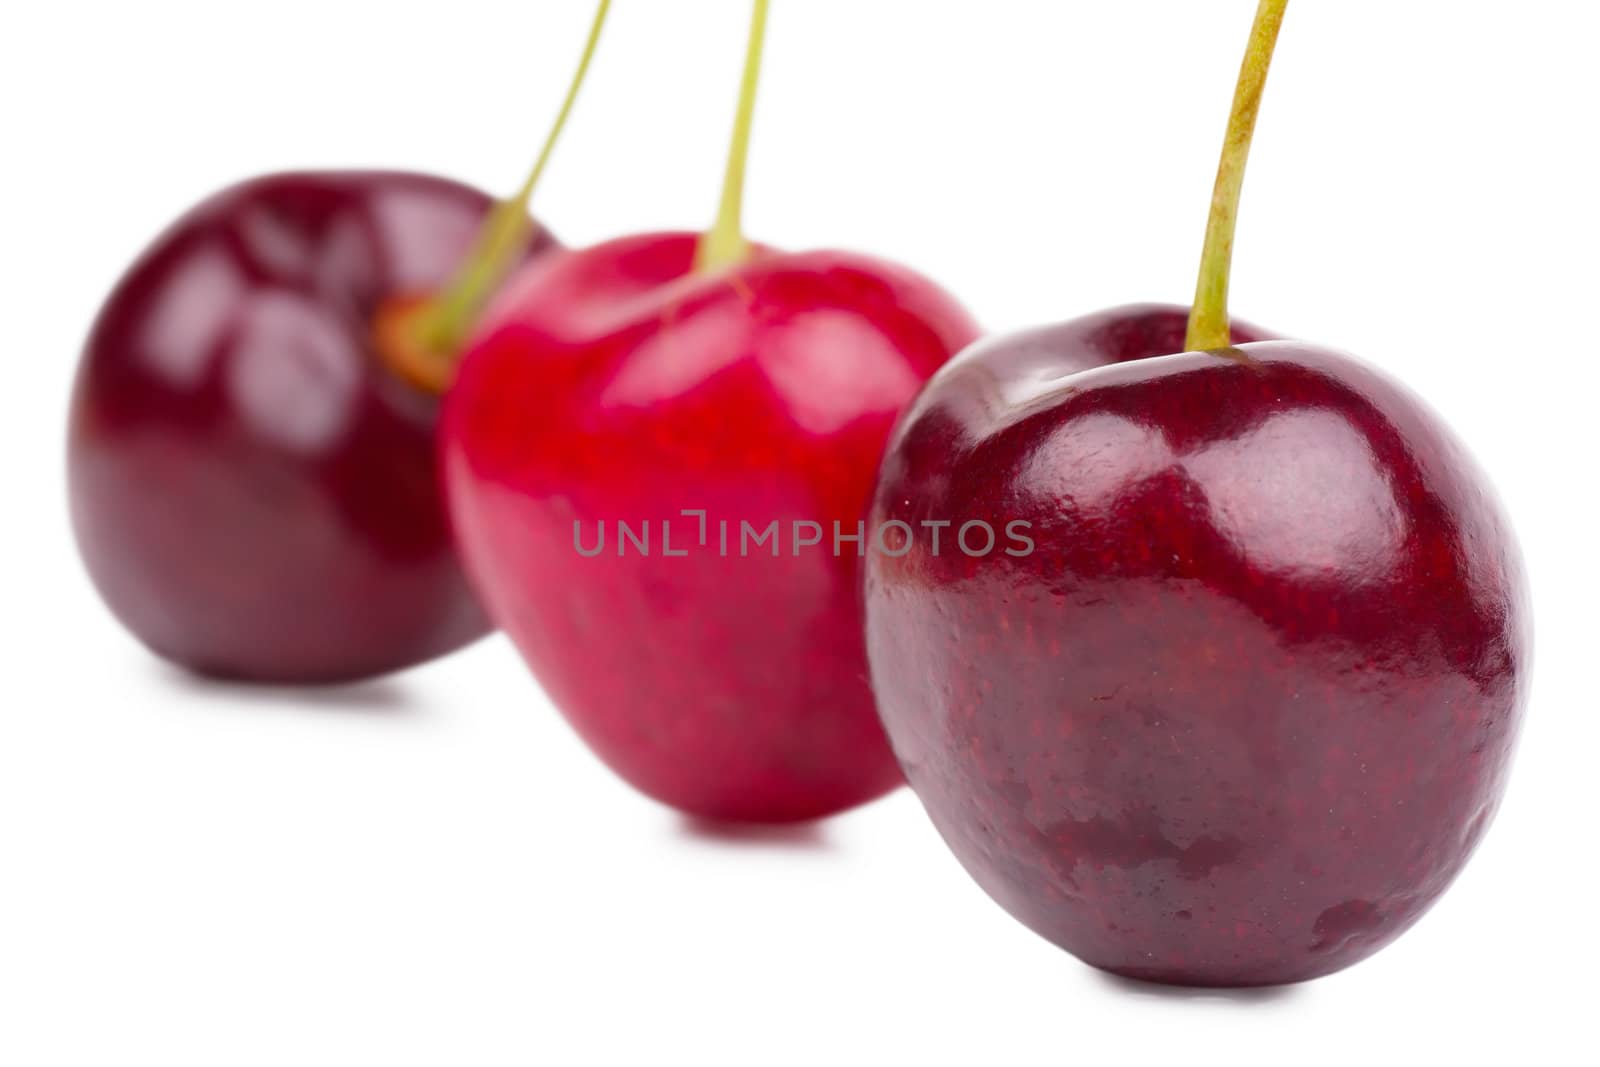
x: 1236, y: 697
x: 252, y: 486
x: 1247, y: 705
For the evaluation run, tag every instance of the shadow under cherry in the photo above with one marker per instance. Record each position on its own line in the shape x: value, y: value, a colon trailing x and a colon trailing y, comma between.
x: 1246, y: 995
x: 791, y: 837
x: 383, y: 698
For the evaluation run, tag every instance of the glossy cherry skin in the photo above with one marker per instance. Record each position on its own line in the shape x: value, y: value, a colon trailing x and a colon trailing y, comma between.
x: 613, y: 384
x: 1248, y: 705
x: 254, y: 493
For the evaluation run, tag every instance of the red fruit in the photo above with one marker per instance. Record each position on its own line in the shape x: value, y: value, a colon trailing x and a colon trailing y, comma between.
x: 1247, y: 707
x: 614, y: 384
x: 1244, y: 704
x: 253, y: 490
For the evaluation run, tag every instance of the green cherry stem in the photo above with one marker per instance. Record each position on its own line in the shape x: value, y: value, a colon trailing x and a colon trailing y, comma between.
x: 724, y: 245
x: 446, y: 320
x: 1208, y: 322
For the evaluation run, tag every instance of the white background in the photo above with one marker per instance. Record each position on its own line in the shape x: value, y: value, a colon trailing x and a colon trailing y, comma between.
x: 430, y: 869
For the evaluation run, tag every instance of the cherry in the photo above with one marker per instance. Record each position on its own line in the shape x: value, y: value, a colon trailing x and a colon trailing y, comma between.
x: 251, y: 453
x: 658, y: 374
x: 1247, y: 706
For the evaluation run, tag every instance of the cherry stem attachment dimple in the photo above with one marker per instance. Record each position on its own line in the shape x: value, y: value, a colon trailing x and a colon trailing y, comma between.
x: 1208, y: 321
x: 724, y: 245
x: 451, y: 315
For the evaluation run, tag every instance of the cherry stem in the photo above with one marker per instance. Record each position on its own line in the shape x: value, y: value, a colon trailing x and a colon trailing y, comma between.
x: 724, y: 245
x: 1208, y: 321
x: 448, y: 318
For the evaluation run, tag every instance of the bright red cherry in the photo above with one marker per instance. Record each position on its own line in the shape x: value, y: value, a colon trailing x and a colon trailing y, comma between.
x: 1243, y: 704
x: 251, y: 454
x: 626, y: 384
x: 616, y: 385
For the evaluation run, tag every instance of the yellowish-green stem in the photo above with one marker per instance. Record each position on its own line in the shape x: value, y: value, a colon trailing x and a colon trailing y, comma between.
x: 1208, y: 321
x: 443, y: 322
x: 724, y: 245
